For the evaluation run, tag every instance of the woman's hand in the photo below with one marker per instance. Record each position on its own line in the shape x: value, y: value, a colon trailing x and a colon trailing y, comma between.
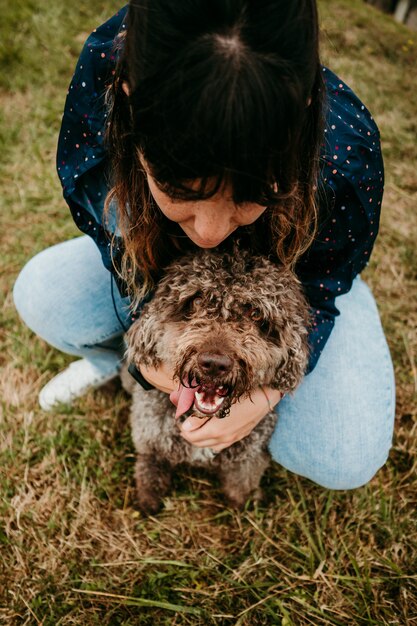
x: 244, y: 415
x: 213, y: 432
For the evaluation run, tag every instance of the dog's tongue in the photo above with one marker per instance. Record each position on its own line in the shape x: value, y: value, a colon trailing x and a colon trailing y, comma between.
x: 183, y: 399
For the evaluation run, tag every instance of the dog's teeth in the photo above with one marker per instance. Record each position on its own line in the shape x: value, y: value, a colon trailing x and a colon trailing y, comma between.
x: 210, y: 407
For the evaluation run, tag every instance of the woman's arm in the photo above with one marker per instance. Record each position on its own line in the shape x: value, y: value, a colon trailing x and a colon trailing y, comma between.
x: 82, y: 158
x: 350, y: 196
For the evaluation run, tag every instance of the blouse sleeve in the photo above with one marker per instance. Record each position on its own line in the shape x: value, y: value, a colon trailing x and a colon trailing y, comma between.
x: 81, y: 154
x: 350, y: 196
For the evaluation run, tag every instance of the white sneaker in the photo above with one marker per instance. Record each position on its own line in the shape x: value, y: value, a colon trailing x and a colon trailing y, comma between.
x: 72, y: 383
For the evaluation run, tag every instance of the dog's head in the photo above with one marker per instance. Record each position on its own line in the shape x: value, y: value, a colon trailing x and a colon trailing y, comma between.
x: 225, y: 324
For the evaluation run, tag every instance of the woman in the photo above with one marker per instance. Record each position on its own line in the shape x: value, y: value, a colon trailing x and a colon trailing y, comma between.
x: 220, y: 123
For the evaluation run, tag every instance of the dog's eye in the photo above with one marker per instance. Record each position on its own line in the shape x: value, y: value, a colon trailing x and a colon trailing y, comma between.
x: 253, y: 313
x: 256, y: 315
x: 189, y: 305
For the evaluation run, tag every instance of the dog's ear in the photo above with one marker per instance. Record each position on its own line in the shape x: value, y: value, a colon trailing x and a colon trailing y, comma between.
x: 291, y: 369
x: 142, y: 340
x: 291, y: 324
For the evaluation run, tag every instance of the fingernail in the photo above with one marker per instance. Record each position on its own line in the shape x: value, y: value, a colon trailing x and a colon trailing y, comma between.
x: 187, y: 426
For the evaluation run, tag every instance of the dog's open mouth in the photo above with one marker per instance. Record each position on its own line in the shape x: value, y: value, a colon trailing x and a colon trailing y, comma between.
x: 209, y: 400
x: 205, y: 398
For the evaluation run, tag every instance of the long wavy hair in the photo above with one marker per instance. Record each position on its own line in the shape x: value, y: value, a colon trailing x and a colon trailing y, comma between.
x: 220, y: 92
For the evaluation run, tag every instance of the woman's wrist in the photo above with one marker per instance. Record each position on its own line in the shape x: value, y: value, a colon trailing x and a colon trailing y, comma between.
x: 160, y: 377
x: 272, y: 396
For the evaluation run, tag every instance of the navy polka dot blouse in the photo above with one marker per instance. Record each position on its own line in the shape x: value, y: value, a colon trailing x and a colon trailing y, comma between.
x: 350, y: 191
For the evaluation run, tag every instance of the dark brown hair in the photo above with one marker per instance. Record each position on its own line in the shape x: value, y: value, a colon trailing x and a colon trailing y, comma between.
x: 220, y: 91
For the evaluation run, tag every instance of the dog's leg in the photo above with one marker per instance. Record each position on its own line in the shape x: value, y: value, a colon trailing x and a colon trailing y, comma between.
x: 153, y: 481
x: 240, y: 478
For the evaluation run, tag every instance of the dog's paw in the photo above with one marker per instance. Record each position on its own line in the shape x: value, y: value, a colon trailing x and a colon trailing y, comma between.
x: 241, y: 501
x: 152, y: 481
x: 236, y: 500
x: 148, y: 503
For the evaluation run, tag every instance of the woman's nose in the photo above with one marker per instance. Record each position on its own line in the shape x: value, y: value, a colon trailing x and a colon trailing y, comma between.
x: 212, y: 223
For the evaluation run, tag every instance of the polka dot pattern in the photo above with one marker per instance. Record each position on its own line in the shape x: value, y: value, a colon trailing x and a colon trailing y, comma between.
x: 350, y: 195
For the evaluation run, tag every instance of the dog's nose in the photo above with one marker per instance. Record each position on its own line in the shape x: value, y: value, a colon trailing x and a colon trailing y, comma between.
x: 214, y: 364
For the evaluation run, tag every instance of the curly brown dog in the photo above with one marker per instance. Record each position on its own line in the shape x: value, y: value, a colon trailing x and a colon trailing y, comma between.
x: 226, y: 324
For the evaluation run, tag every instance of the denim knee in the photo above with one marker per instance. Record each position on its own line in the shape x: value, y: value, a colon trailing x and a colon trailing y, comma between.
x: 45, y: 300
x: 340, y: 468
x: 344, y: 476
x: 336, y: 428
x: 64, y: 295
x: 30, y: 294
x: 36, y: 300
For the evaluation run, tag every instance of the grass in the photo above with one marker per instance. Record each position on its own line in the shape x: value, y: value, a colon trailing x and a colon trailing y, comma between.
x: 73, y: 548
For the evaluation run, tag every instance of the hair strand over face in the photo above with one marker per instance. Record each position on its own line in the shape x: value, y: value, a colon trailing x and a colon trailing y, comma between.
x: 219, y: 92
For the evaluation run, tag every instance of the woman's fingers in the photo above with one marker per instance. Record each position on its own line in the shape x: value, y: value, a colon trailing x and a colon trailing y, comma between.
x: 193, y: 423
x: 244, y: 415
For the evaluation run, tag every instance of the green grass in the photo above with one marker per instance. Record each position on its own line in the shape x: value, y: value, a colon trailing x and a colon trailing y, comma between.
x: 73, y: 550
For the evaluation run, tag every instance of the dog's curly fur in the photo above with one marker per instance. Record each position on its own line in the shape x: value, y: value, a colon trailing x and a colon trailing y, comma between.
x: 228, y: 322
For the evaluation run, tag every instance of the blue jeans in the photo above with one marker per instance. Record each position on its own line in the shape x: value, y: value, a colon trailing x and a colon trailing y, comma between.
x: 336, y: 429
